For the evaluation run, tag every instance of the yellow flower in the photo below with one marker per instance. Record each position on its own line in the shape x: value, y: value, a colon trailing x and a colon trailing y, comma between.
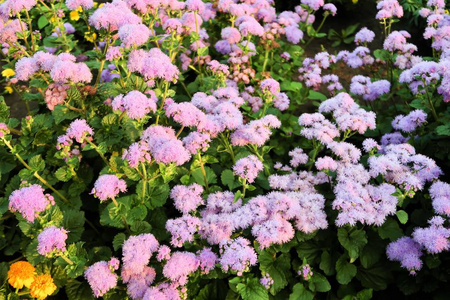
x: 74, y: 15
x: 90, y: 36
x: 42, y: 286
x: 8, y: 73
x: 20, y: 273
x: 8, y: 89
x: 355, y: 1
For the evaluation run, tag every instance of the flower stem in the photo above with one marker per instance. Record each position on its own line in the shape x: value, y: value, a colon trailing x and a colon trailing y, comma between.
x: 203, y: 171
x: 66, y: 259
x: 101, y: 155
x: 123, y: 217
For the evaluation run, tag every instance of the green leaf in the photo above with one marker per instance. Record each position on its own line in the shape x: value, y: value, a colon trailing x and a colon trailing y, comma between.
x: 61, y: 113
x: 443, y: 130
x: 326, y: 263
x: 73, y: 222
x: 210, y: 176
x: 227, y: 178
x: 364, y: 294
x: 277, y: 267
x: 63, y: 174
x: 390, y: 230
x: 320, y: 282
x: 252, y: 290
x: 118, y: 241
x: 402, y: 216
x: 352, y: 240
x: 299, y: 292
x: 37, y: 163
x: 345, y: 270
x: 42, y: 22
x: 139, y: 227
x: 158, y: 195
x: 313, y: 95
x: 76, y: 290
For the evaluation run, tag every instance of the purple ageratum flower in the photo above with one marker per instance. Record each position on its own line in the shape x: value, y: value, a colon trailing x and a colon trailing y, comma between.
x: 257, y: 132
x: 276, y: 230
x: 107, y: 75
x: 207, y: 260
x: 333, y: 83
x: 163, y: 253
x: 134, y: 35
x: 410, y: 122
x: 52, y: 239
x: 237, y: 255
x: 180, y: 266
x: 306, y: 272
x: 137, y: 153
x: 421, y: 75
x: 298, y: 157
x: 248, y: 168
x: 164, y: 146
x: 187, y: 198
x: 331, y: 8
x: 407, y: 252
x: 204, y: 101
x: 389, y: 9
x: 217, y: 227
x: 271, y: 86
x: 317, y: 127
x: 396, y: 40
x: 137, y: 251
x: 100, y: 278
x: 228, y: 116
x: 153, y: 293
x: 14, y: 7
x: 186, y: 114
x: 183, y: 229
x: 112, y: 16
x: 370, y: 144
x: 294, y: 34
x: 8, y: 34
x: 74, y: 4
x: 221, y: 202
x: 440, y: 196
x: 433, y: 238
x: 4, y: 130
x: 195, y: 141
x: 26, y: 67
x: 195, y: 5
x: 231, y: 35
x: 364, y: 36
x: 266, y: 281
x: 326, y: 163
x: 249, y: 26
x: 362, y: 85
x: 108, y: 187
x: 138, y: 283
x: 135, y: 104
x: 156, y: 64
x: 313, y: 4
x: 173, y: 25
x: 30, y: 201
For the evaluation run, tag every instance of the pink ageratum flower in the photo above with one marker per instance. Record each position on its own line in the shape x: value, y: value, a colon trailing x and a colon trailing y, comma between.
x: 134, y: 34
x: 195, y: 141
x: 231, y: 35
x: 256, y: 132
x: 8, y: 34
x: 180, y: 266
x: 407, y: 252
x: 207, y: 260
x: 137, y: 251
x: 138, y: 152
x: 52, y: 239
x: 186, y: 114
x: 248, y: 168
x: 79, y: 130
x: 14, y: 7
x: 101, y: 276
x: 237, y: 255
x: 440, y: 196
x: 108, y: 187
x: 153, y: 65
x: 187, y: 198
x: 74, y: 4
x: 433, y: 238
x: 112, y: 16
x: 30, y: 201
x: 183, y: 229
x: 135, y: 104
x: 26, y: 67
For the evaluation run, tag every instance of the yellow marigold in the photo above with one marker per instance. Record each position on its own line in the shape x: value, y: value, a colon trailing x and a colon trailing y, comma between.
x: 21, y: 274
x: 8, y: 73
x: 42, y: 286
x: 90, y: 36
x: 8, y: 89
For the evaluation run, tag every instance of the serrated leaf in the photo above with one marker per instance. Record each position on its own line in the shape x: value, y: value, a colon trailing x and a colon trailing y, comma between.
x: 37, y: 163
x: 42, y: 22
x: 227, y: 178
x: 352, y: 240
x: 277, y: 267
x: 63, y: 174
x: 76, y: 290
x: 118, y: 241
x: 299, y: 292
x: 321, y: 283
x: 73, y: 222
x: 326, y: 263
x: 252, y: 290
x: 390, y: 230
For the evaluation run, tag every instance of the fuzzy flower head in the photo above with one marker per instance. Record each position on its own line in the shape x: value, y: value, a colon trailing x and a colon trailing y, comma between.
x: 187, y: 198
x: 79, y: 130
x: 196, y: 141
x: 266, y: 281
x: 180, y: 266
x: 52, y: 240
x: 137, y: 153
x: 407, y: 252
x: 389, y: 9
x: 410, y: 122
x: 134, y: 35
x: 100, y: 278
x: 108, y: 187
x: 42, y: 286
x: 248, y: 168
x: 112, y: 16
x: 207, y: 260
x: 4, y: 130
x: 30, y: 201
x: 306, y: 272
x: 364, y: 36
x: 135, y: 104
x: 237, y: 255
x: 14, y: 7
x: 21, y: 274
x: 75, y: 4
x: 440, y: 195
x: 137, y: 251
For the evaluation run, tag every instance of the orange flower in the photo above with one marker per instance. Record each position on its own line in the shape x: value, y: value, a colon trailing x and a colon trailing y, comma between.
x: 42, y: 286
x: 21, y: 274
